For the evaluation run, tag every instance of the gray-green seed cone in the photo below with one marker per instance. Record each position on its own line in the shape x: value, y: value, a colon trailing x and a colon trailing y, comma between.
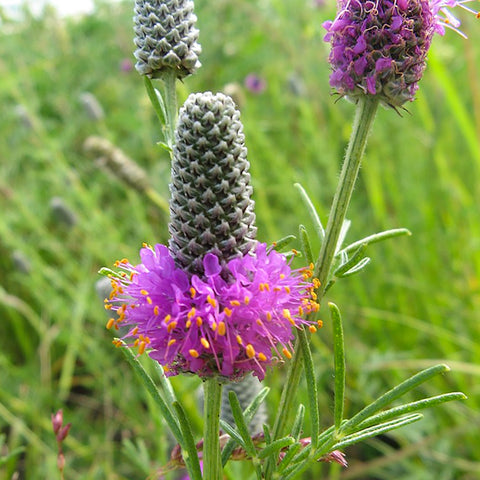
x: 246, y: 390
x: 166, y: 37
x: 211, y: 209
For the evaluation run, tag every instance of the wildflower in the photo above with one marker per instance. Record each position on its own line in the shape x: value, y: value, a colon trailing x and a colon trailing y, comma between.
x: 380, y: 47
x: 211, y: 326
x: 254, y: 83
x: 211, y: 209
x: 216, y: 302
x: 166, y: 37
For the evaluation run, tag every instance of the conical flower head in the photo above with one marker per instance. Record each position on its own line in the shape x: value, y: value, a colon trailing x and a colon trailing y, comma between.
x: 211, y: 207
x: 380, y: 47
x: 166, y: 37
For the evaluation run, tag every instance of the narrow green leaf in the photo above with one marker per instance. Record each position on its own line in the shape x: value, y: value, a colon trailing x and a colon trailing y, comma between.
x: 275, y: 447
x: 287, y: 459
x: 150, y: 386
x: 283, y: 242
x: 356, y: 257
x: 165, y: 384
x: 189, y: 449
x: 312, y: 211
x: 393, y: 394
x: 298, y: 423
x: 248, y: 413
x: 241, y: 424
x: 357, y: 268
x: 377, y: 237
x: 156, y: 100
x: 311, y: 385
x: 376, y: 430
x: 412, y: 407
x: 305, y: 242
x: 266, y: 433
x: 339, y: 360
x: 233, y: 433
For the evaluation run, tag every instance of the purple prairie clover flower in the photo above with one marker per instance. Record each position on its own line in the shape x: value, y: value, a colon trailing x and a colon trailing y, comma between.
x: 211, y: 325
x: 254, y: 83
x: 379, y: 48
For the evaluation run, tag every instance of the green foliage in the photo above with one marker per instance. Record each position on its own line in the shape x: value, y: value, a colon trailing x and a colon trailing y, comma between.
x: 415, y: 305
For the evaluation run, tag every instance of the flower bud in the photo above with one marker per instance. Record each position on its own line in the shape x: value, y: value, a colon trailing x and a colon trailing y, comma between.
x: 166, y: 37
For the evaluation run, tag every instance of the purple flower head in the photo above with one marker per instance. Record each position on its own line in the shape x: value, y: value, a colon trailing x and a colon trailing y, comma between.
x: 254, y: 83
x: 211, y: 325
x: 380, y: 47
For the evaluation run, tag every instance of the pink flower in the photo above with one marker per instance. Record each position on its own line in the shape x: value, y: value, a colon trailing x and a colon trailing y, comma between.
x: 212, y: 325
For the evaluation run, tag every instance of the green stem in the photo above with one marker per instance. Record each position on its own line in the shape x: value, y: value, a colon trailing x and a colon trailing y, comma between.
x: 212, y: 466
x: 170, y: 99
x: 365, y: 114
x: 362, y: 124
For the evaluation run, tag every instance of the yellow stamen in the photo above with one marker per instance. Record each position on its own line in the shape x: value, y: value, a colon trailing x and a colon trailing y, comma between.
x: 234, y: 303
x: 211, y: 301
x: 188, y: 324
x: 193, y: 292
x: 227, y: 312
x: 143, y: 292
x: 156, y: 310
x: 134, y: 331
x: 191, y: 313
x: 167, y: 318
x: 149, y: 300
x: 259, y: 322
x: 287, y: 289
x: 262, y: 357
x: 250, y: 351
x: 171, y: 342
x: 221, y: 329
x: 141, y: 347
x: 246, y: 300
x: 193, y: 353
x: 282, y: 276
x: 312, y: 328
x: 199, y: 321
x: 287, y: 353
x: 171, y: 327
x: 110, y: 323
x: 214, y: 326
x: 320, y: 323
x: 204, y: 342
x: 239, y: 340
x: 269, y: 316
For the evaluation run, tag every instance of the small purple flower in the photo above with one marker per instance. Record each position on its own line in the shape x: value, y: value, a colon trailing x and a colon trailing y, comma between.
x: 126, y: 65
x: 254, y: 83
x: 212, y: 325
x: 380, y: 47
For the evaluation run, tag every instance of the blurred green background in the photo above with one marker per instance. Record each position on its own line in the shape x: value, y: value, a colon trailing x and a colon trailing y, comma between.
x: 63, y: 216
